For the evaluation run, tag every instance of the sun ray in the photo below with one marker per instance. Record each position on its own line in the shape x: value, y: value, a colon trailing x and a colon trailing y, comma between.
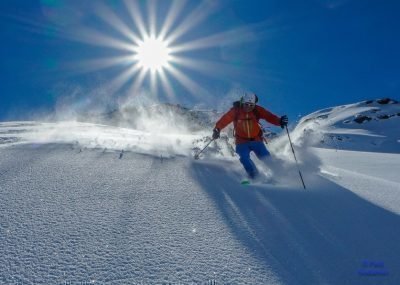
x: 231, y: 37
x: 108, y: 16
x: 205, y: 9
x: 34, y: 26
x: 93, y: 37
x: 166, y: 85
x: 223, y: 70
x: 190, y: 85
x: 117, y: 83
x: 133, y: 90
x: 173, y: 13
x: 204, y: 66
x: 135, y: 13
x: 85, y: 66
x: 151, y: 6
x: 226, y: 38
x: 153, y: 82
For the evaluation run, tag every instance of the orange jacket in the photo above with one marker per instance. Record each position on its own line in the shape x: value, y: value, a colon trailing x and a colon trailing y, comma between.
x: 246, y: 124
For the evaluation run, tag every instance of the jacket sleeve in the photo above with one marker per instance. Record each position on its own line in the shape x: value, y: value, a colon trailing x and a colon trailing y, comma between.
x: 226, y: 119
x: 268, y: 116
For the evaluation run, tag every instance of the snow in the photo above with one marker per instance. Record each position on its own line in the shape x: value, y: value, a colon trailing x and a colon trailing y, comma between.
x: 337, y: 127
x: 77, y: 217
x: 88, y: 135
x: 374, y: 177
x: 83, y: 203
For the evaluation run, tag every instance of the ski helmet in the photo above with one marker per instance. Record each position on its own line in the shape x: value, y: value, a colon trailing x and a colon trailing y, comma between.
x: 249, y: 98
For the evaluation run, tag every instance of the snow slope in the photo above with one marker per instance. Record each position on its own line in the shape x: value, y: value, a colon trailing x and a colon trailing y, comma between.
x: 84, y: 203
x: 373, y: 176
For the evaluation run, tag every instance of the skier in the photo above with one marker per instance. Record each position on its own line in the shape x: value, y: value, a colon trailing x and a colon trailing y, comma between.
x: 245, y: 115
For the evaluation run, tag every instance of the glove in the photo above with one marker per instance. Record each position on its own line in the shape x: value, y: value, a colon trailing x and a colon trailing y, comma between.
x: 284, y: 121
x: 215, y: 134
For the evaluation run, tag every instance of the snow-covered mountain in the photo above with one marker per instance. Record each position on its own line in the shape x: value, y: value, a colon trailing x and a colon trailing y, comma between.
x: 372, y: 125
x: 168, y: 130
x: 89, y: 203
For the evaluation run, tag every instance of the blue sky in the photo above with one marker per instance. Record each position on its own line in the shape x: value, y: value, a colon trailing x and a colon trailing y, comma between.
x: 298, y: 56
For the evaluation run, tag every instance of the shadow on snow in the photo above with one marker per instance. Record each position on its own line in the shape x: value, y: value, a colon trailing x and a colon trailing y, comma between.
x: 322, y: 235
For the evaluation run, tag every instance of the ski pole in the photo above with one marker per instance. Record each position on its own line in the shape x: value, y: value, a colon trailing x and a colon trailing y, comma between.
x: 196, y: 156
x: 297, y: 164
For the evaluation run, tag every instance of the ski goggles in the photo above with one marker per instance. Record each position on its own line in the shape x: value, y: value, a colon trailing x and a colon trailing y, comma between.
x: 250, y: 105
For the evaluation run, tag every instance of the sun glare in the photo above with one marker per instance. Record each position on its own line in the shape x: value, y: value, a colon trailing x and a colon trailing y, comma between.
x: 155, y: 57
x: 152, y: 54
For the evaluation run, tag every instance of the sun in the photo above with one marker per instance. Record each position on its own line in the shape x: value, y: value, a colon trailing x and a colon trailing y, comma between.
x: 152, y: 54
x: 157, y: 55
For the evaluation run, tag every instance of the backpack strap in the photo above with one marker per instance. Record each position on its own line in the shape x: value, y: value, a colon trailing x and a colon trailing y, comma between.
x: 256, y: 113
x: 236, y: 106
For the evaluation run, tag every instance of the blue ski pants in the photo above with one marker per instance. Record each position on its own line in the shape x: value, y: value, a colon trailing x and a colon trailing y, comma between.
x: 244, y: 149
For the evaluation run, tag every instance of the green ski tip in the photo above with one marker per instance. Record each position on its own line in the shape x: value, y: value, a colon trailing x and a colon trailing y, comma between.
x: 245, y: 182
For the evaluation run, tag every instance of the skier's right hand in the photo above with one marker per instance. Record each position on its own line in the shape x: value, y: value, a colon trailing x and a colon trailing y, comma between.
x: 215, y: 134
x: 284, y: 121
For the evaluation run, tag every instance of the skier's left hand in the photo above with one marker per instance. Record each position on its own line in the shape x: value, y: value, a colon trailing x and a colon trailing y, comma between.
x: 284, y: 121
